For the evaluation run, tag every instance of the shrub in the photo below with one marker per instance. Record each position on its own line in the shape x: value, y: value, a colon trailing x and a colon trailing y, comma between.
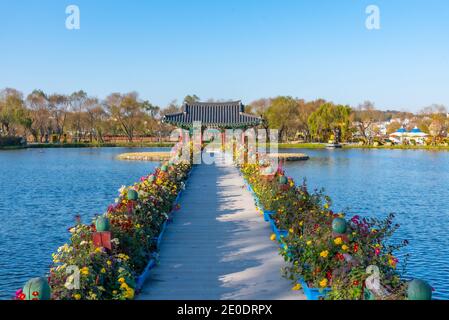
x: 11, y: 141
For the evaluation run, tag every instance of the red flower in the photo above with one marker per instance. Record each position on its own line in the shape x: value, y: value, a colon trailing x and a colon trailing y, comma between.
x: 340, y: 257
x: 35, y: 293
x: 356, y: 248
x: 356, y: 283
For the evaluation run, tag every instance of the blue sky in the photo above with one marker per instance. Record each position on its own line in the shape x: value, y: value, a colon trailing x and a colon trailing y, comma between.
x: 231, y: 49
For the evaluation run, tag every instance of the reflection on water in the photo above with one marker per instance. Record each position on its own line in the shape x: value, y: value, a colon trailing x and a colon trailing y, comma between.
x: 411, y: 183
x: 41, y: 192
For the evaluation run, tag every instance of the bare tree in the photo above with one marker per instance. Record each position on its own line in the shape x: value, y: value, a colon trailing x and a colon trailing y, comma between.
x: 128, y: 111
x: 364, y: 118
x: 77, y: 101
x: 38, y: 102
x: 59, y: 107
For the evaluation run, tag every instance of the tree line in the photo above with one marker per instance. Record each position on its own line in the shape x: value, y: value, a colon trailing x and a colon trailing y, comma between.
x: 320, y: 120
x: 83, y: 118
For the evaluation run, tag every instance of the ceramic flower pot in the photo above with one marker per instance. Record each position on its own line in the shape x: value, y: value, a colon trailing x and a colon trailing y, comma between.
x: 313, y: 293
x: 267, y: 215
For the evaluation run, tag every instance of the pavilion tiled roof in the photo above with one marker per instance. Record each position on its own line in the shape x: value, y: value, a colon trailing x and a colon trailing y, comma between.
x: 213, y: 114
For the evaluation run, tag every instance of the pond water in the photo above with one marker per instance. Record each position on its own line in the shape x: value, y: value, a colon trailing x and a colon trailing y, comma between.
x: 41, y: 192
x: 413, y: 184
x: 43, y: 189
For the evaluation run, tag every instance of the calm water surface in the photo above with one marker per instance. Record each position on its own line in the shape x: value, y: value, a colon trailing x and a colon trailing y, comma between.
x: 412, y: 184
x: 41, y: 192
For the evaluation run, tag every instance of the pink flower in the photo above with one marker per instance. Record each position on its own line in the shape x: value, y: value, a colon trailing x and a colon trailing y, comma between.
x: 377, y: 251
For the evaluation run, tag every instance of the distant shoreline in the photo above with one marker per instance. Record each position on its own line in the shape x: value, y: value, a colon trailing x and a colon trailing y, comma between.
x: 169, y: 145
x: 91, y: 145
x: 356, y: 146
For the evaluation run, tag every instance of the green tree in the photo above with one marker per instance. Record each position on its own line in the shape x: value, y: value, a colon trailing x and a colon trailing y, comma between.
x: 329, y: 120
x: 305, y: 109
x: 189, y: 99
x: 281, y: 115
x: 12, y: 110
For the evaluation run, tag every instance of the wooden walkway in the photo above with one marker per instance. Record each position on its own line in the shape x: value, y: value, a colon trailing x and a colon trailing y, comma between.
x: 218, y: 247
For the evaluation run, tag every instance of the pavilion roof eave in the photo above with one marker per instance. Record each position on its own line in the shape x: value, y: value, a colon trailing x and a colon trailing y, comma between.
x: 214, y: 115
x: 215, y: 125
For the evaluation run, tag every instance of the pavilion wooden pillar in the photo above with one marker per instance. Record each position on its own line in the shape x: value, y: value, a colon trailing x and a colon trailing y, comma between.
x: 223, y: 141
x: 245, y: 147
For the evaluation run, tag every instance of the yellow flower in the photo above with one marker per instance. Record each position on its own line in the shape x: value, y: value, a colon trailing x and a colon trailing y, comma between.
x: 85, y: 271
x: 324, y: 254
x: 114, y: 292
x: 326, y: 205
x: 338, y: 241
x: 97, y: 250
x: 291, y: 230
x: 124, y: 285
x: 323, y: 283
x: 344, y: 247
x: 77, y: 296
x: 109, y: 262
x: 121, y: 280
x: 123, y: 256
x: 129, y: 293
x: 103, y: 270
x: 138, y: 226
x: 296, y: 287
x: 309, y: 243
x: 273, y: 237
x: 301, y: 223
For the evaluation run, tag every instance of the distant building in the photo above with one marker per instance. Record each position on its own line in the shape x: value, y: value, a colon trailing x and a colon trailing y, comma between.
x: 402, y: 136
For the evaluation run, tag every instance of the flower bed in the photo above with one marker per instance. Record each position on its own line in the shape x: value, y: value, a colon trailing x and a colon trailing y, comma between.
x: 115, y: 253
x: 326, y: 254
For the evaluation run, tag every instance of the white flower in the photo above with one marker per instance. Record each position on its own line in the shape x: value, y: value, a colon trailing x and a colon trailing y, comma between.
x: 122, y: 190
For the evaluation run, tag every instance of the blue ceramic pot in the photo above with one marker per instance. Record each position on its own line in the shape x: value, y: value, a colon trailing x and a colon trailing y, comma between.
x: 313, y: 293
